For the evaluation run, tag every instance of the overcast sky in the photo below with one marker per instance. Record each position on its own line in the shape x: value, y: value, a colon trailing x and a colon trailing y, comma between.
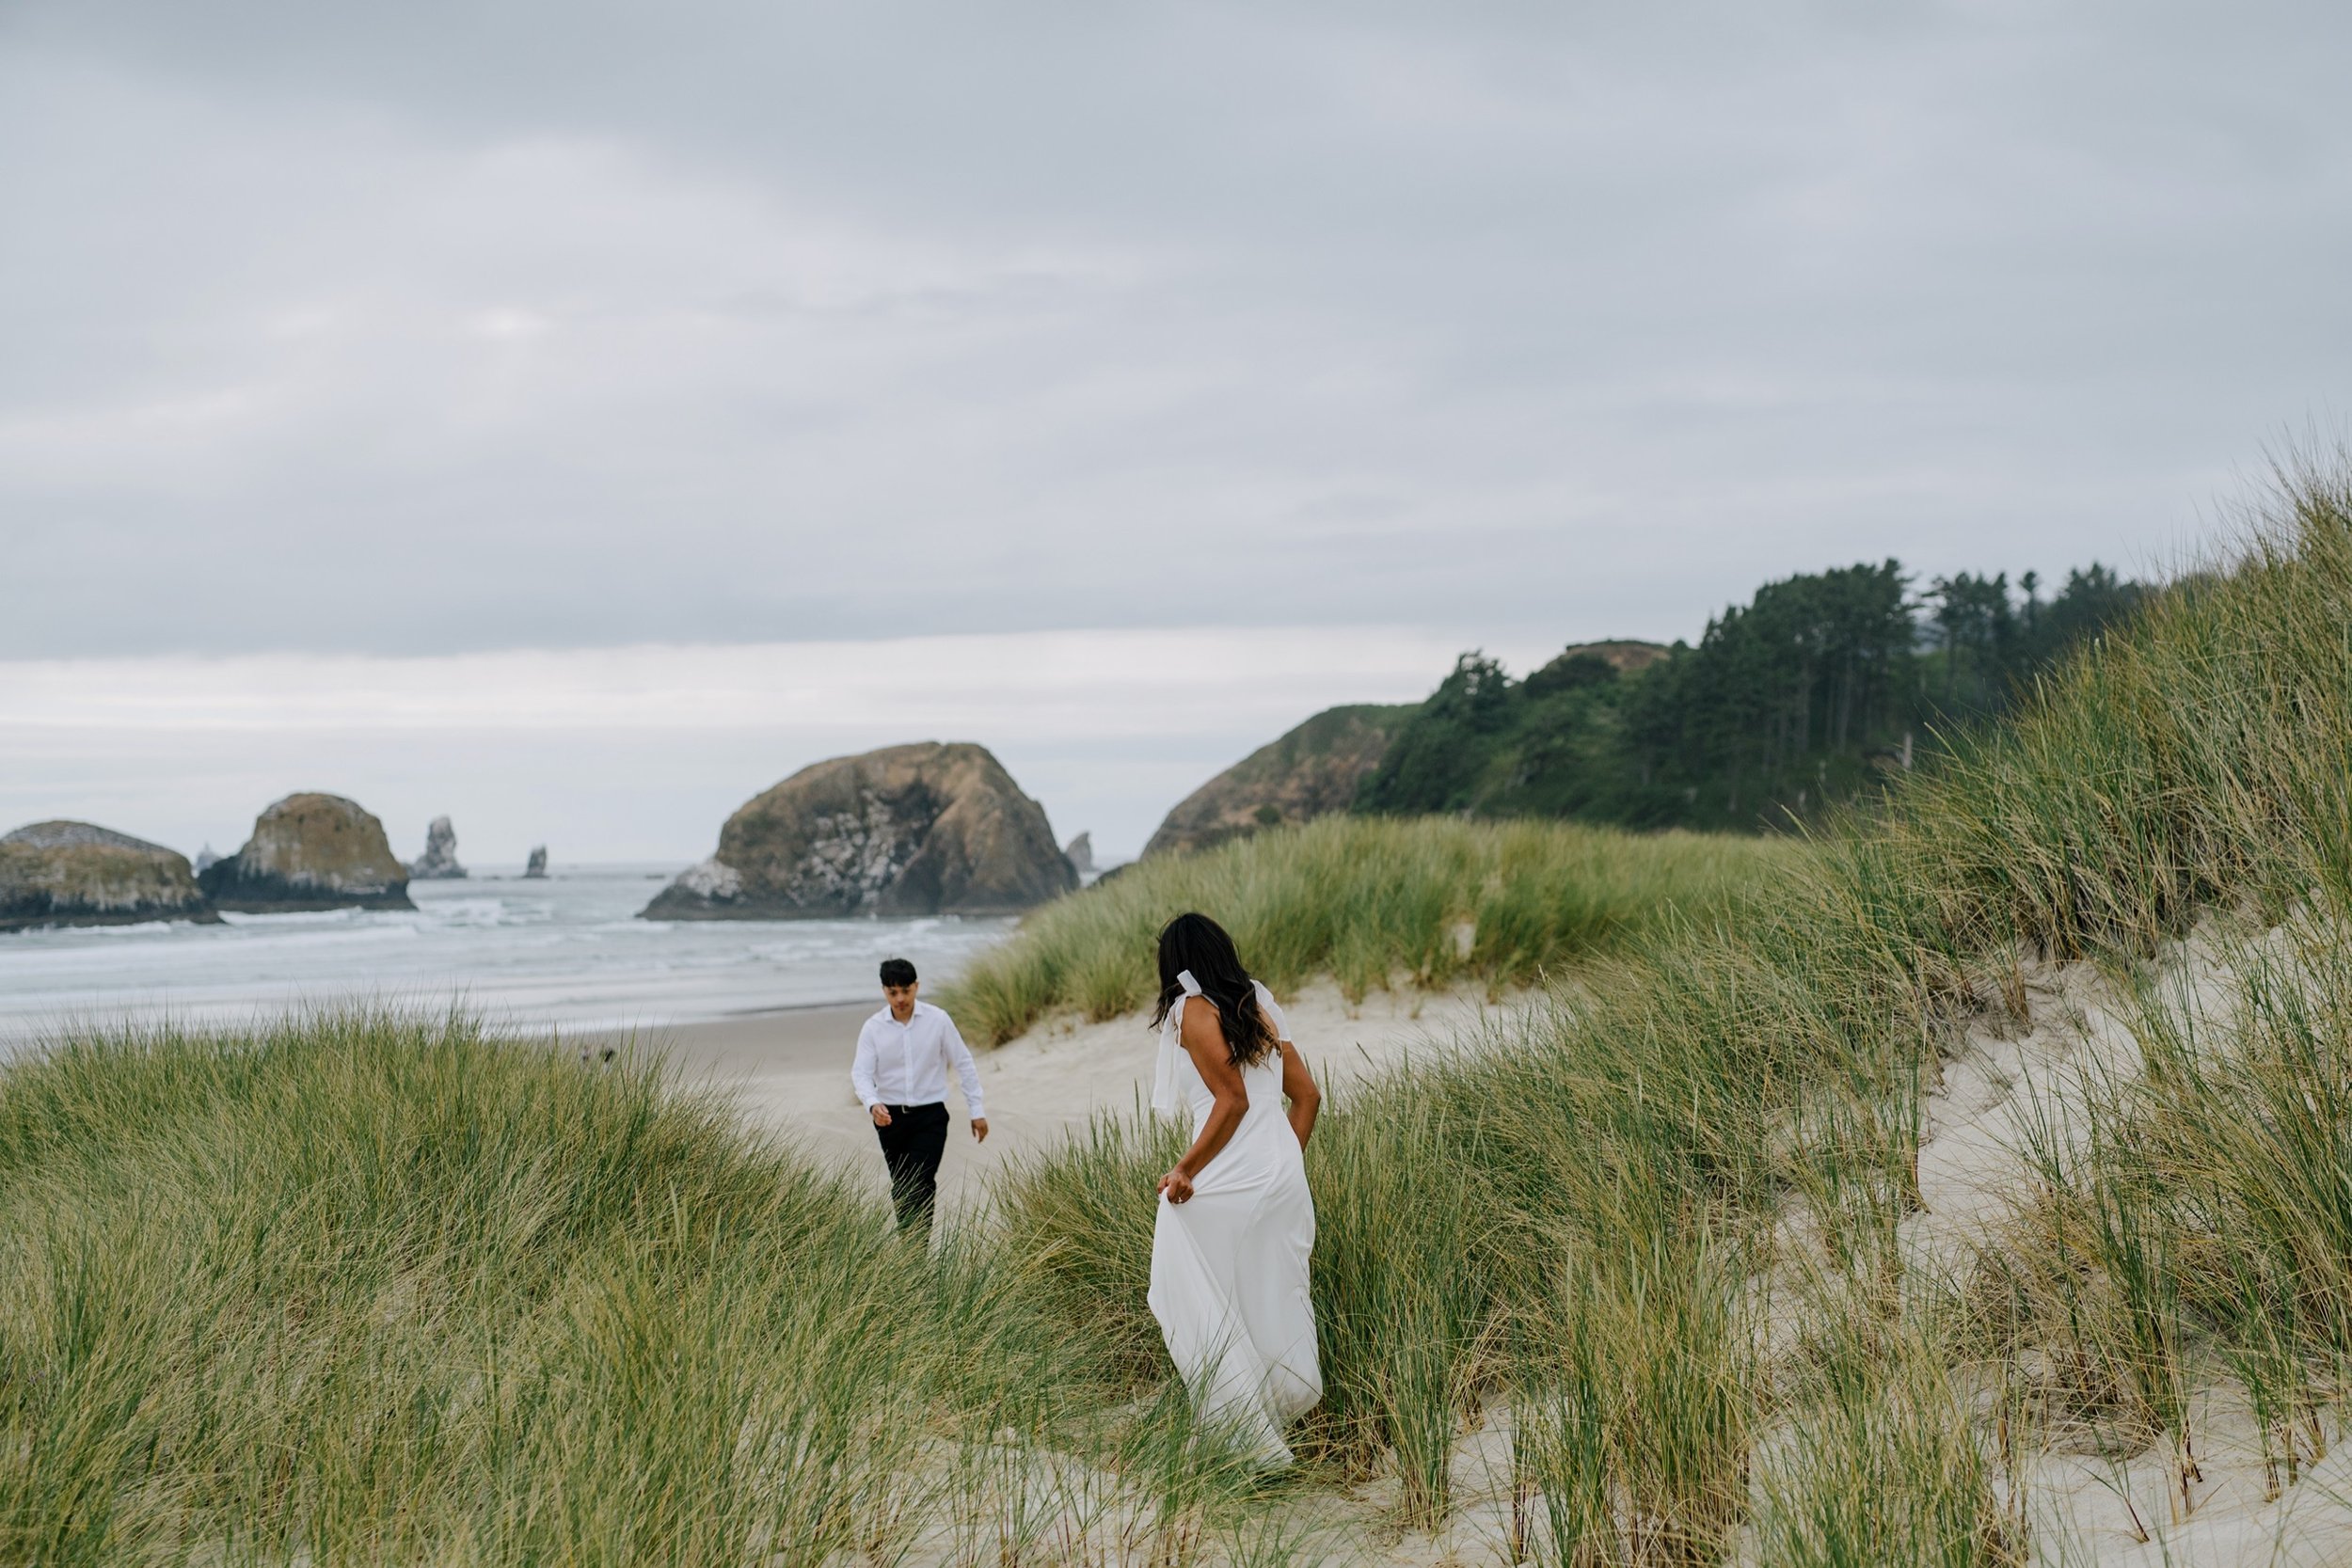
x: 528, y: 358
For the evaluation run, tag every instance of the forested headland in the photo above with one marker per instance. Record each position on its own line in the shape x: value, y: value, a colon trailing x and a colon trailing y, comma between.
x: 1813, y: 692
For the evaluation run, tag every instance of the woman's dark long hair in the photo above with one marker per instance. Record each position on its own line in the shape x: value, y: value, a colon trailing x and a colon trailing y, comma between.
x: 1197, y: 943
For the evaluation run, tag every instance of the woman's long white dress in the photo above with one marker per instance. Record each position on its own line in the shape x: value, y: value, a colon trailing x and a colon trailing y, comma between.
x: 1229, y: 1266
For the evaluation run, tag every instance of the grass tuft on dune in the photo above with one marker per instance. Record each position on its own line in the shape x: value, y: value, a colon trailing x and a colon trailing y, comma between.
x: 375, y: 1287
x: 1372, y: 902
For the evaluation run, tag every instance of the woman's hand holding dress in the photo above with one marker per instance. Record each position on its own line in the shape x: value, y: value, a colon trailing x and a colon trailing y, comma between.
x: 1203, y: 1039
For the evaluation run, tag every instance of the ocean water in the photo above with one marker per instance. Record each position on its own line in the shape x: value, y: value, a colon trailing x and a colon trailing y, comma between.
x: 566, y: 951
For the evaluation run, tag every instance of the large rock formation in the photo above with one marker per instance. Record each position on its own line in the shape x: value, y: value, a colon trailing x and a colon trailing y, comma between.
x: 440, y: 860
x: 75, y: 874
x: 310, y: 852
x: 906, y: 831
x: 1311, y: 771
x: 536, y: 869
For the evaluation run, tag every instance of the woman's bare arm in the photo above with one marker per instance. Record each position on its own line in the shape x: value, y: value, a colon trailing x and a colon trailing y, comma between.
x: 1299, y: 1086
x: 1203, y: 1038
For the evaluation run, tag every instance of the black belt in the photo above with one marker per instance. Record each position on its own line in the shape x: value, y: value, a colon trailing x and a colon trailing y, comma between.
x: 927, y: 1105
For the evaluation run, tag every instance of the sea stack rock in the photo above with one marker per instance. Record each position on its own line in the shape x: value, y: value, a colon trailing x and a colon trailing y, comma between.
x: 1079, y: 852
x: 537, y: 870
x: 310, y: 852
x: 440, y: 860
x: 75, y: 874
x: 926, y: 828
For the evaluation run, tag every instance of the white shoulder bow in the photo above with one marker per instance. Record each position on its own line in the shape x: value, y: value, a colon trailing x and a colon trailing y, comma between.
x: 1164, y: 1077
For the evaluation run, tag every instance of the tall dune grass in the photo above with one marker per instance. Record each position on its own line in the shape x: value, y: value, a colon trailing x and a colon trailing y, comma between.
x: 372, y: 1289
x: 1625, y: 1144
x: 2193, y: 1215
x: 1371, y: 902
x: 1705, y: 1087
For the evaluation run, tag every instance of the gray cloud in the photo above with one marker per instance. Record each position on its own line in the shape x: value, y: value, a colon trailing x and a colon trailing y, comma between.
x: 434, y: 327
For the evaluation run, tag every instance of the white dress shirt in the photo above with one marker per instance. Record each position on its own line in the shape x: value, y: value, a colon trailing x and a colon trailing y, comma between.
x: 906, y: 1063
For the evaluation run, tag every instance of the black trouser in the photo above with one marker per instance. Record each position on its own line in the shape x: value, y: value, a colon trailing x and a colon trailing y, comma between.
x: 910, y: 1146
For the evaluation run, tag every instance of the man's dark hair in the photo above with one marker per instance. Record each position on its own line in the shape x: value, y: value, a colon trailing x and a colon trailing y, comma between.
x: 897, y: 972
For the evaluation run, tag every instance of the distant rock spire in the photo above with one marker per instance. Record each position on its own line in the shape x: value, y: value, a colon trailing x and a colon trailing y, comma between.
x: 440, y: 860
x: 537, y: 868
x: 1079, y: 852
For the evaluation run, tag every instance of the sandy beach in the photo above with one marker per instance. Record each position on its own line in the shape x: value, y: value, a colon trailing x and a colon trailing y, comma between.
x: 789, y: 1070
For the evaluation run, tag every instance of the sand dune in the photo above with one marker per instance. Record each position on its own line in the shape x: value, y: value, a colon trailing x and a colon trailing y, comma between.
x: 789, y: 1072
x: 2005, y: 1088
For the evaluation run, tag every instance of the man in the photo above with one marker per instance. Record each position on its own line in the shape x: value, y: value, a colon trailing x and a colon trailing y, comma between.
x: 900, y: 1073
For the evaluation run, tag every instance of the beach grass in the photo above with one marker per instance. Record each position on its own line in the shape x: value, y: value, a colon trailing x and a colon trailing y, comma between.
x: 382, y: 1289
x: 1369, y: 902
x: 1715, y: 1086
x: 374, y: 1287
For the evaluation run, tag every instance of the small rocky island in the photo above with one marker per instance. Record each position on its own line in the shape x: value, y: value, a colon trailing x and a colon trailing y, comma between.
x: 78, y: 874
x: 439, y: 860
x: 310, y: 852
x: 919, y: 829
x: 536, y: 869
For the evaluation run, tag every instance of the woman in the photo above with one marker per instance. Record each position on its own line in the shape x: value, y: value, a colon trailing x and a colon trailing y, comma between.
x: 1229, y: 1257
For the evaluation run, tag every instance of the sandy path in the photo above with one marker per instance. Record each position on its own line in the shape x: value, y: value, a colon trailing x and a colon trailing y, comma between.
x: 789, y: 1070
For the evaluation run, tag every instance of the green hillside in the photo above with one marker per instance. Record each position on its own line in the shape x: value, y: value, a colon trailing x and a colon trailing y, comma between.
x: 1811, y: 694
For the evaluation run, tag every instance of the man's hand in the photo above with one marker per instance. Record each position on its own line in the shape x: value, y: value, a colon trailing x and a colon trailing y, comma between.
x: 881, y: 1116
x: 979, y: 1130
x: 1176, y: 1186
